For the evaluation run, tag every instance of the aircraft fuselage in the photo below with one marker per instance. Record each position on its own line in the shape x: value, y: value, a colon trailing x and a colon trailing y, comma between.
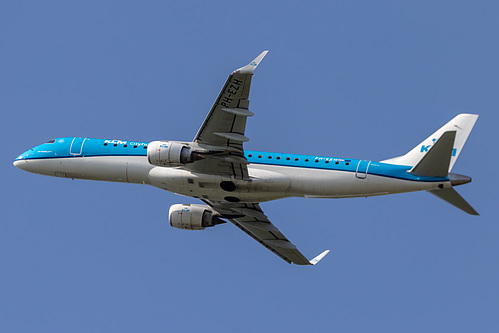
x: 272, y: 175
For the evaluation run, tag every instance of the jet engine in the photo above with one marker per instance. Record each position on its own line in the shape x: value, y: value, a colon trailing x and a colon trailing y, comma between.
x: 193, y: 217
x: 170, y: 154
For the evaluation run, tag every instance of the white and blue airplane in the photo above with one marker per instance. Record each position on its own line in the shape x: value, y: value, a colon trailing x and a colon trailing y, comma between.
x: 231, y: 181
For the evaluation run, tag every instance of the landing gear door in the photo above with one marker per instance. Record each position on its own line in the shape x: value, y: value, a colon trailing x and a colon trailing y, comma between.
x: 362, y: 168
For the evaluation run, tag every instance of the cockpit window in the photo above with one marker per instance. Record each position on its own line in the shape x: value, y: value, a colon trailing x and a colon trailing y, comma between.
x: 50, y: 141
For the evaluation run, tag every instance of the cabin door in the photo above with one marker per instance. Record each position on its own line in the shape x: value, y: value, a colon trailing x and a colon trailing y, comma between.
x: 362, y: 168
x: 76, y: 147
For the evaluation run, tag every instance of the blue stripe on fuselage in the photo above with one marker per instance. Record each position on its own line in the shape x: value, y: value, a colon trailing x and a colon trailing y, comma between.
x: 100, y: 147
x: 91, y: 147
x: 334, y: 163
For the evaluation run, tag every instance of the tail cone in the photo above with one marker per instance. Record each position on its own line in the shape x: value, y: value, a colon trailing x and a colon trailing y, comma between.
x: 456, y: 179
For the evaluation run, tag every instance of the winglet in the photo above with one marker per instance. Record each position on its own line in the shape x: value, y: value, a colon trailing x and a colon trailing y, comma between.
x: 249, y: 68
x: 316, y: 260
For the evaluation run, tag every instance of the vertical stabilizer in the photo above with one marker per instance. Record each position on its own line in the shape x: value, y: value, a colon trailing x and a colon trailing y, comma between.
x: 461, y: 124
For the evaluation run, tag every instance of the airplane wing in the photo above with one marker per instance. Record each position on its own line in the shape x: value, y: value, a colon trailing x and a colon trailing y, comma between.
x: 224, y: 126
x: 251, y: 219
x: 222, y: 132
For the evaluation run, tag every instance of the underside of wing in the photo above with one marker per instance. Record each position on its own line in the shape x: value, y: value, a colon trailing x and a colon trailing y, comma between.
x: 221, y: 139
x: 224, y: 127
x: 225, y: 124
x: 251, y: 219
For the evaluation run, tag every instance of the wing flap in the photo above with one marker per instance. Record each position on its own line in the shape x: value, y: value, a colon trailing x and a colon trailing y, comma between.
x: 265, y: 226
x: 281, y: 243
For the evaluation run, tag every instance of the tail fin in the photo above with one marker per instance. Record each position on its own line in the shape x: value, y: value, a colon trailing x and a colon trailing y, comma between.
x: 435, y: 157
x: 461, y: 125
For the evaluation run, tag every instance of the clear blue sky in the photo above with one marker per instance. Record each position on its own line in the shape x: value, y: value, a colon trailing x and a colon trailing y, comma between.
x: 357, y: 79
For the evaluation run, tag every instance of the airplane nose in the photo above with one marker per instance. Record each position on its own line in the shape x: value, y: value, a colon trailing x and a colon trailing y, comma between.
x: 21, y: 164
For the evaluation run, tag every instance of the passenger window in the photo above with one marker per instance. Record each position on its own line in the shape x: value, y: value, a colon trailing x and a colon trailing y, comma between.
x: 125, y: 146
x: 296, y: 159
x: 260, y: 156
x: 287, y: 158
x: 145, y: 147
x: 327, y: 161
x: 316, y: 161
x: 306, y: 160
x: 115, y: 144
x: 270, y: 157
x: 250, y: 155
x: 347, y: 163
x: 105, y: 143
x: 337, y: 162
x: 278, y: 157
x: 135, y: 146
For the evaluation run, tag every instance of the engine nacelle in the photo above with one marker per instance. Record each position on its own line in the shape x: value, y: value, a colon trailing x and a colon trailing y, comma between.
x: 193, y: 217
x: 169, y: 153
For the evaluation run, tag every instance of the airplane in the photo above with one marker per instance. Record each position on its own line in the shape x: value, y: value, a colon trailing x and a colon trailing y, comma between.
x: 232, y: 182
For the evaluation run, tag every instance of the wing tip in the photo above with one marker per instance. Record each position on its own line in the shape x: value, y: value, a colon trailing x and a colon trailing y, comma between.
x: 249, y: 68
x: 316, y: 260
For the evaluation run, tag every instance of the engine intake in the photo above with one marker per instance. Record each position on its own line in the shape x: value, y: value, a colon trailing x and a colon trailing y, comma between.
x: 170, y: 154
x: 193, y: 217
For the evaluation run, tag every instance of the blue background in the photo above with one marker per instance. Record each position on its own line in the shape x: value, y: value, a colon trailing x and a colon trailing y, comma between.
x: 353, y: 79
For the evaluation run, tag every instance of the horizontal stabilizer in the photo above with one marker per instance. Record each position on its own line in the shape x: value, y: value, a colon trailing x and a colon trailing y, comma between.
x: 436, y: 162
x: 451, y: 196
